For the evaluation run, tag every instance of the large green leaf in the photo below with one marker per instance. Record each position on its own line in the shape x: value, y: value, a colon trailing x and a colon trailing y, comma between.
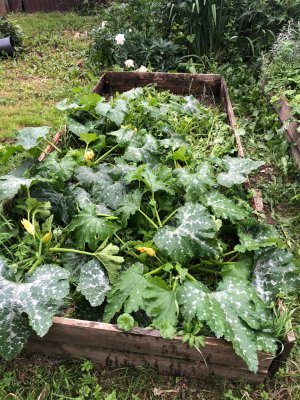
x: 112, y: 263
x: 29, y: 137
x: 238, y: 170
x: 254, y: 235
x: 130, y: 205
x: 57, y: 169
x: 88, y: 176
x: 93, y: 283
x: 223, y: 207
x: 155, y: 179
x: 29, y: 305
x: 115, y: 113
x: 77, y: 128
x: 233, y: 311
x: 10, y: 186
x: 88, y: 228
x: 109, y: 193
x: 143, y: 149
x: 193, y: 236
x: 196, y: 183
x: 127, y: 291
x: 275, y: 272
x: 160, y: 303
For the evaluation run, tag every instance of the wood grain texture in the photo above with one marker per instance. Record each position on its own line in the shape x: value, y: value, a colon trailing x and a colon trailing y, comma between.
x: 108, y: 346
x: 291, y: 134
x: 3, y: 9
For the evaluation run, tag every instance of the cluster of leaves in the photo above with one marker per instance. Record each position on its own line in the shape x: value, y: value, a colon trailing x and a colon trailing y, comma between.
x: 281, y: 67
x: 146, y: 33
x: 243, y: 28
x: 135, y: 221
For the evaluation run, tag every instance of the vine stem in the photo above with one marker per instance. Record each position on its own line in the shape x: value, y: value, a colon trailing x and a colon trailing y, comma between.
x: 125, y: 245
x: 64, y: 250
x: 105, y: 155
x: 229, y: 253
x: 35, y: 265
x: 156, y: 211
x: 155, y: 271
x: 149, y: 219
x: 169, y: 217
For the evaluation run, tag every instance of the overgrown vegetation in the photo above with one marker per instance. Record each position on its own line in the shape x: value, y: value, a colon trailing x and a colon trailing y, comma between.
x: 9, y: 28
x: 281, y: 67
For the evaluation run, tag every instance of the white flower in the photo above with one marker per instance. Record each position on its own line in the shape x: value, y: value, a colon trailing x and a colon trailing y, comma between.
x: 129, y: 63
x: 103, y: 24
x: 129, y: 30
x: 142, y: 69
x: 120, y: 38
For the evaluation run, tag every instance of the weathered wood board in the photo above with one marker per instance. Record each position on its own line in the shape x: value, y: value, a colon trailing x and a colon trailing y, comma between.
x: 291, y: 133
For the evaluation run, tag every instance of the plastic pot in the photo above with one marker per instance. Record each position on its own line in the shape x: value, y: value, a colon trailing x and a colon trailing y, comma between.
x: 7, y: 46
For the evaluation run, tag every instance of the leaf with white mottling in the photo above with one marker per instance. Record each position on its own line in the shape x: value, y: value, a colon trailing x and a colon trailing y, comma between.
x: 223, y: 207
x: 275, y: 272
x: 30, y: 304
x: 196, y: 183
x: 233, y: 311
x: 88, y: 228
x: 10, y: 186
x: 130, y: 205
x: 238, y: 170
x: 193, y: 236
x: 93, y: 283
x: 29, y: 137
x: 128, y: 291
x: 254, y: 235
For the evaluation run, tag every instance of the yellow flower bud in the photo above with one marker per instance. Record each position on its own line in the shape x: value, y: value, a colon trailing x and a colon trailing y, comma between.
x: 28, y: 226
x: 47, y: 237
x: 148, y: 250
x: 89, y: 155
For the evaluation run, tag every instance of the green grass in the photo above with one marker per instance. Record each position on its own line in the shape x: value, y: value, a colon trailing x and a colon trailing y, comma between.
x: 50, y: 66
x: 47, y: 379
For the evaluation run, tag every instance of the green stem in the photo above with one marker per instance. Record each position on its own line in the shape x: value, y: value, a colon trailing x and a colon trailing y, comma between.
x: 7, y: 223
x: 126, y: 246
x: 155, y: 271
x: 149, y: 219
x: 64, y: 250
x: 229, y: 253
x: 53, y: 145
x: 40, y: 247
x: 169, y: 217
x: 105, y: 155
x: 35, y: 265
x: 155, y: 210
x: 204, y: 269
x: 191, y: 278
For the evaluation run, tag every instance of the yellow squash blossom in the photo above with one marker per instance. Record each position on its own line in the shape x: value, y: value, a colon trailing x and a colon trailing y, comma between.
x: 47, y: 237
x: 148, y: 250
x: 89, y: 155
x: 28, y: 226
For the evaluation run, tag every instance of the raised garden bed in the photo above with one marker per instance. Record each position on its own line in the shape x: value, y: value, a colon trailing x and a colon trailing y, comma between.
x: 286, y: 117
x: 111, y: 347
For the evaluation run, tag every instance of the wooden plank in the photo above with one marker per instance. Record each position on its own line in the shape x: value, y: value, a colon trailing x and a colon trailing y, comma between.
x: 111, y: 358
x: 3, y: 9
x: 199, y: 85
x: 291, y: 134
x: 139, y: 340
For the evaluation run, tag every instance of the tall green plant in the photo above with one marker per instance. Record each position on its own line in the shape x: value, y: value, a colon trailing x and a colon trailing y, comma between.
x: 204, y: 23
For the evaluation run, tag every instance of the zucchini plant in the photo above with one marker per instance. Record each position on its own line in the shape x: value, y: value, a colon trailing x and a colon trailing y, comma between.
x: 143, y: 211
